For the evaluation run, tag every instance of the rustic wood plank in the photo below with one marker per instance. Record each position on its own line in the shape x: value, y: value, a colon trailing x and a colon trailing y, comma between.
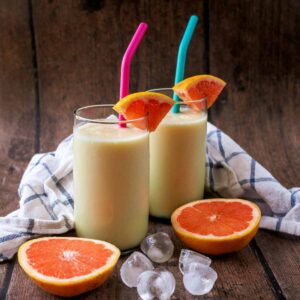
x: 3, y: 285
x: 6, y: 270
x: 76, y: 69
x: 21, y: 284
x: 78, y: 64
x: 17, y: 101
x: 239, y: 274
x: 239, y: 277
x: 254, y: 46
x: 282, y: 255
x: 229, y: 284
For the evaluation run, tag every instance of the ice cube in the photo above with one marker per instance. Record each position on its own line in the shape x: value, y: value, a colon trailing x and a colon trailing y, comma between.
x: 158, y: 247
x: 199, y: 279
x: 158, y: 284
x: 134, y: 265
x: 189, y: 256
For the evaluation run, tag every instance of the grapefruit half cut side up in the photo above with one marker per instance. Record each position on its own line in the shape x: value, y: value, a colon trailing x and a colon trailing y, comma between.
x: 199, y: 87
x: 67, y: 266
x: 138, y: 105
x: 216, y: 226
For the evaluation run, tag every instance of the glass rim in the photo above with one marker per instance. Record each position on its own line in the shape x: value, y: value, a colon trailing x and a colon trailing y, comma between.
x: 178, y: 102
x: 103, y: 120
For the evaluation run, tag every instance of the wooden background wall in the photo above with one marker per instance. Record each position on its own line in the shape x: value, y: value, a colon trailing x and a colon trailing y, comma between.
x: 58, y: 55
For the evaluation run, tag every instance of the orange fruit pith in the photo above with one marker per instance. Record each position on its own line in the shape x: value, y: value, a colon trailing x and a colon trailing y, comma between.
x: 68, y: 266
x: 138, y: 105
x: 199, y: 87
x: 216, y: 226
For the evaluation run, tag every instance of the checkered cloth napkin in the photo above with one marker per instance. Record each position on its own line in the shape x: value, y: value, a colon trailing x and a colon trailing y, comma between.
x: 46, y: 205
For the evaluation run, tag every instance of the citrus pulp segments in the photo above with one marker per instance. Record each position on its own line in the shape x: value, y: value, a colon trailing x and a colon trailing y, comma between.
x: 137, y: 105
x: 70, y: 286
x: 199, y: 87
x: 211, y: 244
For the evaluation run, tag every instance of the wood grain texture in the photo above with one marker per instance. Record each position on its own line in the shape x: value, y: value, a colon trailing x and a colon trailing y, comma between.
x: 254, y: 46
x: 3, y: 287
x: 256, y: 52
x: 17, y: 113
x: 229, y: 282
x: 80, y: 47
x: 282, y: 254
x: 17, y: 101
x: 240, y: 276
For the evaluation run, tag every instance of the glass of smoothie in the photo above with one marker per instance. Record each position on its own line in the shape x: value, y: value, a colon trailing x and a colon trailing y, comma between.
x: 111, y: 177
x: 177, y: 157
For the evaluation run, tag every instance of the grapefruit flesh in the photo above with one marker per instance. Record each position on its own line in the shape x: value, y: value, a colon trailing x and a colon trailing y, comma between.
x: 199, y: 87
x: 66, y: 266
x: 138, y: 105
x: 216, y: 226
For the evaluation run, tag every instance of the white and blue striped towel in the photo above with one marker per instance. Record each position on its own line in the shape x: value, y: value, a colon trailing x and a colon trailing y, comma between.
x: 46, y: 192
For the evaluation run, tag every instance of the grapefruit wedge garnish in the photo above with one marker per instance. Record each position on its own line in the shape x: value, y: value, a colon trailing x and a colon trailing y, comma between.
x: 199, y: 87
x: 216, y: 226
x: 67, y: 266
x: 138, y: 105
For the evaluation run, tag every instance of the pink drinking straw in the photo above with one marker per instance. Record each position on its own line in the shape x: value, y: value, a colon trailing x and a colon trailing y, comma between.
x: 125, y: 68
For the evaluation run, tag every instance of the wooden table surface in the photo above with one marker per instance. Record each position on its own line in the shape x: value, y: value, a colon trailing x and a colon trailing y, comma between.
x: 58, y: 55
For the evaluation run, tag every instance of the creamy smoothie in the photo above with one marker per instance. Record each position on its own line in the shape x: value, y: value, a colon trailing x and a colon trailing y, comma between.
x: 177, y: 161
x: 111, y: 183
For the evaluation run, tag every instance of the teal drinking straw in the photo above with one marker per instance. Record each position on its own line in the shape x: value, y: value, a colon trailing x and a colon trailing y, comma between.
x: 181, y: 57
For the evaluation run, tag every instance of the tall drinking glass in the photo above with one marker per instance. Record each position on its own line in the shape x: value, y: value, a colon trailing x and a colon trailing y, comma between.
x: 177, y: 157
x: 111, y: 177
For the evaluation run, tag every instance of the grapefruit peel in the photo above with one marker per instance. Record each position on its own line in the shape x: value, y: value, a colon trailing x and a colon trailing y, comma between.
x: 199, y: 87
x: 212, y: 244
x: 141, y: 104
x: 75, y: 285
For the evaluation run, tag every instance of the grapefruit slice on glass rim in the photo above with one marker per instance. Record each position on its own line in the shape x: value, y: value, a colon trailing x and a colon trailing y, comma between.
x: 199, y: 87
x: 151, y: 104
x: 216, y: 226
x: 68, y: 266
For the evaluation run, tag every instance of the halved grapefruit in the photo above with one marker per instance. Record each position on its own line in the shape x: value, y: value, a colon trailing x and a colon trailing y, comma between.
x: 216, y: 226
x: 198, y: 87
x: 137, y: 105
x: 68, y: 266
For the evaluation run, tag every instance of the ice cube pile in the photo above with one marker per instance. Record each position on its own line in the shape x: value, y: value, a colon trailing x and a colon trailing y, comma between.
x: 158, y: 283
